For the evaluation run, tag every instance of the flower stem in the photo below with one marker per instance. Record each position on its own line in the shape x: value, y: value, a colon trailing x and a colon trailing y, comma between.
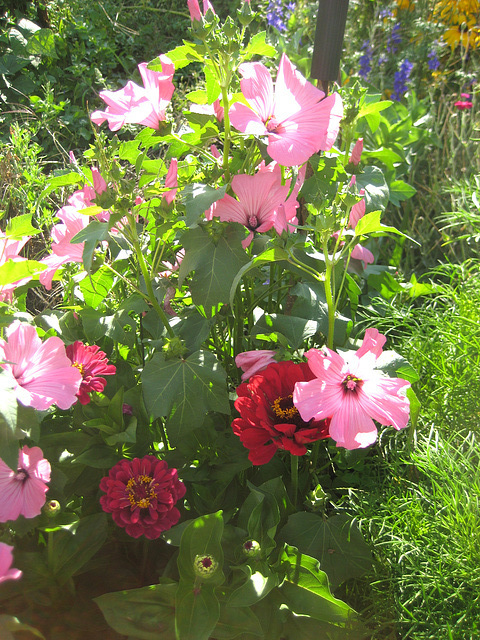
x: 294, y: 472
x: 330, y: 299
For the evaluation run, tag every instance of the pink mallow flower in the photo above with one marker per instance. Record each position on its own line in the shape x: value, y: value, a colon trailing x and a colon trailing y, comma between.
x: 22, y: 492
x: 261, y: 203
x: 139, y: 105
x: 297, y: 118
x: 251, y: 362
x: 463, y: 105
x: 9, y: 250
x: 92, y: 364
x: 356, y: 154
x: 41, y: 373
x: 194, y: 8
x: 352, y: 392
x: 214, y: 109
x: 6, y: 560
x: 171, y: 181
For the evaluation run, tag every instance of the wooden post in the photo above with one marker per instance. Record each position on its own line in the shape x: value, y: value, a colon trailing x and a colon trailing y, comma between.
x: 327, y: 50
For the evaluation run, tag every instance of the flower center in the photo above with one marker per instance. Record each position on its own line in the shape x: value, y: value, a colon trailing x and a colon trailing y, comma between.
x: 140, y: 491
x: 252, y: 222
x: 271, y: 124
x: 352, y: 383
x: 79, y: 366
x: 284, y: 409
x: 21, y: 475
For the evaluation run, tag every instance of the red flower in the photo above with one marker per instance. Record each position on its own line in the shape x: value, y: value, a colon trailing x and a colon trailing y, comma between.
x: 269, y: 420
x: 141, y: 496
x: 463, y: 104
x: 91, y: 362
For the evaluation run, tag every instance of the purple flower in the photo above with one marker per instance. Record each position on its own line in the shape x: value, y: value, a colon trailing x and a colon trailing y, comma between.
x: 400, y: 80
x: 279, y: 13
x: 365, y: 60
x: 433, y: 61
x: 395, y: 39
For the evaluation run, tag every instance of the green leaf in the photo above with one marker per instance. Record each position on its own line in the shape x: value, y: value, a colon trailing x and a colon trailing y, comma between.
x: 216, y: 263
x: 12, y: 271
x: 258, y: 47
x: 98, y: 456
x: 385, y: 284
x: 370, y: 223
x: 256, y: 587
x: 400, y: 191
x: 202, y: 537
x: 396, y: 366
x: 305, y: 589
x: 21, y: 226
x: 8, y: 421
x: 180, y: 56
x: 373, y: 107
x: 9, y: 623
x: 147, y: 613
x: 74, y: 547
x: 198, y: 198
x: 235, y: 622
x: 42, y: 43
x: 275, y: 254
x: 376, y: 189
x: 97, y: 286
x: 197, y: 611
x: 62, y: 179
x: 415, y: 407
x: 296, y: 330
x: 93, y: 233
x: 336, y: 542
x: 211, y: 82
x: 260, y: 516
x: 187, y: 389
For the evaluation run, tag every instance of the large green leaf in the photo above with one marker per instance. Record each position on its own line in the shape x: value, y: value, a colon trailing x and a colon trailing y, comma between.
x: 97, y: 286
x: 185, y: 390
x: 21, y: 226
x: 147, y: 613
x: 93, y: 233
x: 306, y: 591
x: 235, y: 622
x: 216, y: 263
x: 376, y: 189
x: 258, y: 46
x: 296, y: 330
x: 8, y: 421
x: 198, y: 198
x: 370, y: 223
x: 12, y: 271
x: 336, y: 542
x: 197, y: 611
x: 9, y: 624
x: 74, y: 547
x: 256, y: 587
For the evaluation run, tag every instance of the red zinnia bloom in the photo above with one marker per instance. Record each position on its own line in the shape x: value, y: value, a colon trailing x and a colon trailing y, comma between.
x: 92, y: 363
x: 141, y: 496
x: 269, y: 421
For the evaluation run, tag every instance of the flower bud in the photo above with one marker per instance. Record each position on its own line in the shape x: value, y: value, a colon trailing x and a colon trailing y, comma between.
x: 205, y: 566
x: 51, y: 508
x: 251, y: 548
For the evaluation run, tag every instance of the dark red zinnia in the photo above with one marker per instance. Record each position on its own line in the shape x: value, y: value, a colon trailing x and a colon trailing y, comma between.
x: 269, y: 420
x: 92, y: 363
x: 141, y: 496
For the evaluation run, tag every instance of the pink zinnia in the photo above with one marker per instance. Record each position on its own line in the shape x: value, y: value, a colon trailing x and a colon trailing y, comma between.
x: 352, y: 392
x: 22, y: 492
x: 141, y: 495
x: 297, y: 118
x: 40, y: 371
x: 92, y: 364
x: 139, y: 105
x: 251, y: 362
x: 6, y: 560
x: 261, y: 204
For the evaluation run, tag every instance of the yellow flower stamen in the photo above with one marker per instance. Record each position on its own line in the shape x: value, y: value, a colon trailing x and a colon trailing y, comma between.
x: 286, y: 414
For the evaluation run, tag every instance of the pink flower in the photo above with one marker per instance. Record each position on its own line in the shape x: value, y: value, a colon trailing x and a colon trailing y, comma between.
x: 254, y: 361
x: 463, y: 104
x: 6, y: 560
x: 92, y: 363
x: 261, y: 203
x: 356, y: 152
x: 171, y: 181
x: 141, y: 496
x: 63, y: 251
x: 349, y: 390
x: 22, y: 492
x: 140, y: 105
x: 214, y: 109
x: 41, y: 372
x: 296, y: 117
x: 194, y: 8
x: 363, y: 254
x: 9, y: 250
x: 357, y: 212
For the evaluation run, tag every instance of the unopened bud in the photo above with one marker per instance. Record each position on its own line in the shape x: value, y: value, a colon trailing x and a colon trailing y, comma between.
x: 51, y: 508
x: 251, y: 548
x: 205, y: 566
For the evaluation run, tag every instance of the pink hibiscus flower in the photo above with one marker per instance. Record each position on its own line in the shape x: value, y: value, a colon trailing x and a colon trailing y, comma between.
x: 22, y: 492
x: 296, y: 117
x: 251, y: 362
x: 261, y: 203
x: 140, y: 105
x: 171, y: 181
x: 356, y: 154
x: 92, y: 364
x: 194, y: 8
x: 352, y: 392
x: 41, y: 372
x: 9, y: 250
x: 6, y: 560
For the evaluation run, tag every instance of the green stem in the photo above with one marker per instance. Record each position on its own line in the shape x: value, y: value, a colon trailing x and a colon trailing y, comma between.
x: 294, y: 472
x: 330, y: 298
x: 227, y: 130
